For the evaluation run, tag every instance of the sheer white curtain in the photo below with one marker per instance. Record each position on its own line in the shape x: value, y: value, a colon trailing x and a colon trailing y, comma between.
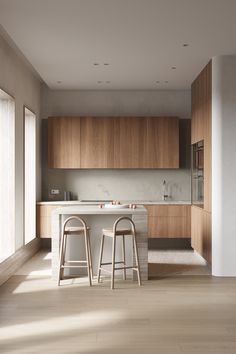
x: 30, y: 176
x: 7, y: 176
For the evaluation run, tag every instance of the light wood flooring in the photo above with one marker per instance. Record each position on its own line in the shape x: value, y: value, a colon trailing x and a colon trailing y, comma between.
x: 174, y: 314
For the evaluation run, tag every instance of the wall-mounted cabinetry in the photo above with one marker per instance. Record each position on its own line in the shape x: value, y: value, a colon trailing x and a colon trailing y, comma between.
x: 113, y: 142
x: 96, y: 142
x: 201, y: 134
x: 169, y: 221
x: 63, y: 146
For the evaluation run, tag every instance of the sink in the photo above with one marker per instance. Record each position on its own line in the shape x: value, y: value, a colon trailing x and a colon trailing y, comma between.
x: 116, y: 206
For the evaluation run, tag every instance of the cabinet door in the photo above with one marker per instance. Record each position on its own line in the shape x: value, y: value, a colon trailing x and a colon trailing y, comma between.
x: 44, y: 220
x: 63, y: 142
x: 201, y: 232
x: 169, y: 227
x: 162, y: 143
x: 97, y: 142
x: 169, y: 221
x: 130, y: 142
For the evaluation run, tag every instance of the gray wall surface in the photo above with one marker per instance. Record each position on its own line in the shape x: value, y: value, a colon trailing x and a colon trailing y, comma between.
x: 116, y: 103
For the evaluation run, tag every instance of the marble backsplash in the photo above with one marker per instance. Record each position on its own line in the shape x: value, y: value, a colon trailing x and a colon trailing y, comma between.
x: 119, y: 184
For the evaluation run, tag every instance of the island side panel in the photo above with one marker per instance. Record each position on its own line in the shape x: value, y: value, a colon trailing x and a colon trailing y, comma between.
x: 56, y: 232
x: 140, y: 221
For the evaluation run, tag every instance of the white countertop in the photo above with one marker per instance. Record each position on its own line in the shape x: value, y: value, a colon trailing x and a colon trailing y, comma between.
x: 91, y: 209
x: 142, y: 202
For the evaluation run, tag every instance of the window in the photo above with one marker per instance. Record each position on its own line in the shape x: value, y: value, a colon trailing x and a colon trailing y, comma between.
x: 7, y: 175
x: 30, y: 176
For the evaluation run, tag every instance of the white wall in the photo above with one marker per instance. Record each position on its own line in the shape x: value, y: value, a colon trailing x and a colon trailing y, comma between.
x: 117, y: 184
x: 224, y: 166
x: 17, y: 80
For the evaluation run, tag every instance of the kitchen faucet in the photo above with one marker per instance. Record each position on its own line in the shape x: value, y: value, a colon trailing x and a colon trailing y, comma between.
x: 164, y: 191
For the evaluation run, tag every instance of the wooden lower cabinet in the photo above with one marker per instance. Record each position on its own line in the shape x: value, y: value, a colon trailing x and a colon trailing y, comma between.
x: 169, y: 221
x: 201, y: 232
x: 43, y: 224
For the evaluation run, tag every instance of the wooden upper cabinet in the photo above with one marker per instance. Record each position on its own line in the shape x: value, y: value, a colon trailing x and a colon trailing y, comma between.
x: 108, y: 142
x: 202, y: 124
x: 97, y: 142
x: 130, y: 142
x: 63, y: 142
x: 162, y: 143
x: 197, y: 127
x: 201, y: 104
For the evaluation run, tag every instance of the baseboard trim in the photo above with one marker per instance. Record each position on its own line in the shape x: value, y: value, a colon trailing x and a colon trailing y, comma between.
x: 14, y: 262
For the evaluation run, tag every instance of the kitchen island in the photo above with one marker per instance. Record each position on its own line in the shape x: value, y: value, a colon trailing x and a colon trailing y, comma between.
x: 97, y: 219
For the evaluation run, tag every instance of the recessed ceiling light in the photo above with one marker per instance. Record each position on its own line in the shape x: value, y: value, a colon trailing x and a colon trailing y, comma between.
x: 157, y: 82
x: 95, y: 64
x: 106, y: 64
x: 108, y: 82
x: 173, y: 67
x: 59, y: 82
x: 166, y: 82
x: 185, y: 45
x: 99, y: 82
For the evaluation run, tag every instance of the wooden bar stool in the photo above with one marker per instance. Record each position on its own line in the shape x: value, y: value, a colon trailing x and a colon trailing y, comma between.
x: 114, y: 233
x: 75, y: 231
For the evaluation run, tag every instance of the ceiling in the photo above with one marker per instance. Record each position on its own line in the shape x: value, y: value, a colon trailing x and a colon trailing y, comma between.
x: 141, y: 40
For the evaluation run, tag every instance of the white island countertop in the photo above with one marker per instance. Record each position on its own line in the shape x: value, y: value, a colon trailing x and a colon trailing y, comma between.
x: 138, y: 202
x: 94, y: 209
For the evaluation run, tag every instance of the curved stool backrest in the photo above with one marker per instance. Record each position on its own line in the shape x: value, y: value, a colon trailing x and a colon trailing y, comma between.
x: 74, y: 217
x: 121, y: 219
x: 63, y: 241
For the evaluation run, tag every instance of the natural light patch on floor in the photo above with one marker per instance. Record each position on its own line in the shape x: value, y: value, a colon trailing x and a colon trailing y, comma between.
x: 45, y: 283
x: 91, y: 320
x: 39, y: 264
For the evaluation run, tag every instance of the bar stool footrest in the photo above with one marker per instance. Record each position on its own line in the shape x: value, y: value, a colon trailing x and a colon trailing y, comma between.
x: 76, y: 261
x: 74, y: 266
x: 109, y: 263
x: 128, y: 267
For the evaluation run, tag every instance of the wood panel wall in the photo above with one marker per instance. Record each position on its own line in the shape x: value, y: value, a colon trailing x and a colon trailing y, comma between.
x: 201, y: 124
x: 201, y: 130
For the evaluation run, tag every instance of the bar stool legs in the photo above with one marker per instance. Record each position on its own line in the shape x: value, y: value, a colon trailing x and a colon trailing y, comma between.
x: 113, y: 262
x: 100, y: 258
x: 75, y: 231
x: 114, y: 233
x: 123, y: 253
x: 137, y: 259
x: 88, y: 254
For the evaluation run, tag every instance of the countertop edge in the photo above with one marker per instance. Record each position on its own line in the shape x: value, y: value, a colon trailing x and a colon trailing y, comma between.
x: 73, y: 203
